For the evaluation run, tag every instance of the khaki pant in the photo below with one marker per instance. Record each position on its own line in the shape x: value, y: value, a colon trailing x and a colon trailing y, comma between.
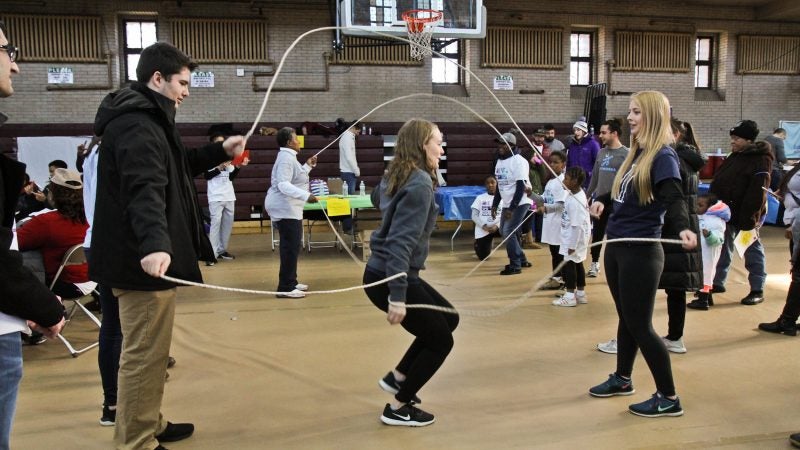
x: 146, y: 318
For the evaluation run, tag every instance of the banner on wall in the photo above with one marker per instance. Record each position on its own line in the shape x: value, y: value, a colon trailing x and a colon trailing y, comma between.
x: 792, y: 143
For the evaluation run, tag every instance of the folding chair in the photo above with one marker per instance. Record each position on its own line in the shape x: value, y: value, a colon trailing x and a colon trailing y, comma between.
x: 318, y: 216
x: 73, y: 257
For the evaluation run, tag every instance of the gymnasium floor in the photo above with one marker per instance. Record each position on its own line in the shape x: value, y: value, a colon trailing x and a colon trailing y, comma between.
x: 256, y: 372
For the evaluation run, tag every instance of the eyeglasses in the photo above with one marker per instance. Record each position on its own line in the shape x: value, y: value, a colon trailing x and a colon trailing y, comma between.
x: 11, y: 50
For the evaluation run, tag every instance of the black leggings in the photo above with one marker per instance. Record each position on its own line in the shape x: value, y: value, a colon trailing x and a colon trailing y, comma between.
x: 433, y: 331
x: 555, y: 259
x: 483, y: 246
x: 632, y: 273
x: 574, y: 275
x: 598, y: 233
x: 676, y: 310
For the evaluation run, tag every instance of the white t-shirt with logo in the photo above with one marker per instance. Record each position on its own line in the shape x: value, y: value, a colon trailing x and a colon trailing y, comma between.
x: 508, y: 171
x: 554, y: 193
x: 483, y: 204
x: 575, y: 227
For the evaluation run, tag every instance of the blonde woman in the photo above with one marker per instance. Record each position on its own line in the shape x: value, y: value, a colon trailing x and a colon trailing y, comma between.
x: 408, y: 210
x: 647, y: 187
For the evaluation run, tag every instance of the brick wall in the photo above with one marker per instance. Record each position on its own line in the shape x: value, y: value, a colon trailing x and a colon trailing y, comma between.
x: 356, y: 89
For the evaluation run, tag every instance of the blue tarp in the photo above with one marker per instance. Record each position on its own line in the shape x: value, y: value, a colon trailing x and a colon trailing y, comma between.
x: 455, y: 202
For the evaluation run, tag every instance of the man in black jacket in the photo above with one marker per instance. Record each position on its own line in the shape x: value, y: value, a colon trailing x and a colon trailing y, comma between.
x: 22, y: 296
x: 147, y: 224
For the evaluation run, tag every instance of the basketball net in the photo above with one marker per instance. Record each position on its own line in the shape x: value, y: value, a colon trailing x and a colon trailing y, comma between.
x: 420, y: 24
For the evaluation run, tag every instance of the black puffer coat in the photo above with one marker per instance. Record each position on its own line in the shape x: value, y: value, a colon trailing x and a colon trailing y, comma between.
x: 683, y: 269
x: 739, y: 182
x: 146, y: 200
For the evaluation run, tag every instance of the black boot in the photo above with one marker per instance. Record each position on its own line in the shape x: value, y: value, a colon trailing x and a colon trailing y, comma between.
x: 782, y: 325
x: 701, y: 302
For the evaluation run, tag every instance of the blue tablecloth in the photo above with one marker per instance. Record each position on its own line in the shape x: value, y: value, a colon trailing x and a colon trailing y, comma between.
x: 455, y: 202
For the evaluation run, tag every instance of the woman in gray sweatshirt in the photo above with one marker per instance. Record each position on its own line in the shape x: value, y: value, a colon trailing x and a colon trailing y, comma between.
x: 405, y: 198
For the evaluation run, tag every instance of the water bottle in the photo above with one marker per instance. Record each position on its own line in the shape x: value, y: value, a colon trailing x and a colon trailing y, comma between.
x: 362, y: 188
x: 363, y: 129
x: 345, y: 189
x: 591, y: 130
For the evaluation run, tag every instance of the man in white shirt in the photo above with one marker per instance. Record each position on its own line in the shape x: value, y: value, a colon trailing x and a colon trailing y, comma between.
x: 348, y: 165
x: 511, y: 172
x: 287, y: 194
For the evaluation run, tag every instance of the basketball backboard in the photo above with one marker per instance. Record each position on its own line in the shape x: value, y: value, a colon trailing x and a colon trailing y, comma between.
x: 461, y: 18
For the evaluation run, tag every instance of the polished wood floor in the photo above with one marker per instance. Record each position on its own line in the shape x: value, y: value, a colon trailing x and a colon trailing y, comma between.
x: 255, y: 372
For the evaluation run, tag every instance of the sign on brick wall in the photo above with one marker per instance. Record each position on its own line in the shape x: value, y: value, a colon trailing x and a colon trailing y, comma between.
x: 203, y: 79
x: 503, y: 83
x: 59, y: 75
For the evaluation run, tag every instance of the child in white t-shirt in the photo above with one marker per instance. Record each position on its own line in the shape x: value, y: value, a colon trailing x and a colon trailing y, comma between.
x: 486, y: 228
x: 576, y: 230
x: 553, y: 197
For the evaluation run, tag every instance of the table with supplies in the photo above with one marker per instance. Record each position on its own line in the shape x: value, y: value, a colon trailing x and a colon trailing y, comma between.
x: 335, y: 206
x: 455, y: 203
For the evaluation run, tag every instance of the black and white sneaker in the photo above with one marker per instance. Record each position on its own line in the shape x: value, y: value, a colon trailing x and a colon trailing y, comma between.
x: 226, y: 256
x: 109, y: 416
x: 407, y: 416
x: 390, y: 384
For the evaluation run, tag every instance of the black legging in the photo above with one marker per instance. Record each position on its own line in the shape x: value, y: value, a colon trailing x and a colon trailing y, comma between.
x: 556, y: 258
x: 632, y: 273
x: 676, y: 310
x: 574, y: 275
x: 599, y: 232
x: 433, y: 331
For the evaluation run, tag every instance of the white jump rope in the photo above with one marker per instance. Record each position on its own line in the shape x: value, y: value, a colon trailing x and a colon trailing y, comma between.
x: 477, y: 313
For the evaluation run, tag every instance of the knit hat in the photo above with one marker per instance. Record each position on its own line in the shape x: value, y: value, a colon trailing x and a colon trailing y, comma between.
x: 510, y: 138
x: 581, y: 125
x: 746, y: 129
x: 67, y: 178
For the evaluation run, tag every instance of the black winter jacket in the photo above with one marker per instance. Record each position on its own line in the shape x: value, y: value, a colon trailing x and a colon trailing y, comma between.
x: 683, y: 269
x: 146, y: 200
x: 21, y: 293
x: 739, y: 182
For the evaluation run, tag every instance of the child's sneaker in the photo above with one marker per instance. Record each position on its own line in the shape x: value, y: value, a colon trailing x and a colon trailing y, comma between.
x: 608, y: 347
x: 657, y: 406
x: 390, y: 384
x: 565, y: 301
x: 552, y: 284
x: 407, y: 415
x: 581, y: 298
x: 594, y: 270
x: 615, y: 385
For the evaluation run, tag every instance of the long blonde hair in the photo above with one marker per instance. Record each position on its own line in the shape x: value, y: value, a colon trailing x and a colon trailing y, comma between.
x: 654, y: 133
x: 409, y: 153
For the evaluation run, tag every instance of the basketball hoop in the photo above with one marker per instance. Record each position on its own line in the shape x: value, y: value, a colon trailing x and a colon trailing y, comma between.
x: 420, y: 23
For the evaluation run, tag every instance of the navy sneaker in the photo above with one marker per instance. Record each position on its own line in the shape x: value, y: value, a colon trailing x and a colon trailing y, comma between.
x: 407, y: 415
x: 390, y: 384
x: 615, y: 385
x: 175, y: 432
x: 657, y: 406
x: 109, y: 416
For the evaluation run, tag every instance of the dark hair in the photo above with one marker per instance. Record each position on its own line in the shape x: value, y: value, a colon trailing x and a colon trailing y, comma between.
x: 686, y: 131
x: 492, y: 177
x: 576, y: 173
x: 68, y: 202
x: 284, y: 136
x: 549, y: 126
x: 559, y: 154
x: 162, y: 57
x: 59, y: 164
x: 614, y: 125
x: 779, y: 130
x: 710, y: 197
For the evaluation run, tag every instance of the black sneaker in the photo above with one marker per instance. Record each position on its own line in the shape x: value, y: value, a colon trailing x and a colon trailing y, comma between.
x: 615, y: 385
x: 35, y: 338
x: 795, y: 439
x: 657, y: 406
x: 226, y: 256
x: 717, y: 289
x: 109, y: 417
x: 210, y: 263
x: 170, y: 362
x: 407, y: 415
x: 510, y: 271
x: 390, y: 384
x: 175, y: 432
x: 753, y: 298
x: 526, y: 264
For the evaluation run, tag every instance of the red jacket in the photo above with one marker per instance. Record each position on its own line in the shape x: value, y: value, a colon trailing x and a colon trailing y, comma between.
x: 53, y: 234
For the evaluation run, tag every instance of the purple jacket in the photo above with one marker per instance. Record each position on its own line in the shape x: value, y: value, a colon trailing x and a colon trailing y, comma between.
x: 583, y: 154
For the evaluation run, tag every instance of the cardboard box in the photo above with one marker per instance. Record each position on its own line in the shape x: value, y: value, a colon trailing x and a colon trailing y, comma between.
x: 364, y: 236
x: 335, y: 186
